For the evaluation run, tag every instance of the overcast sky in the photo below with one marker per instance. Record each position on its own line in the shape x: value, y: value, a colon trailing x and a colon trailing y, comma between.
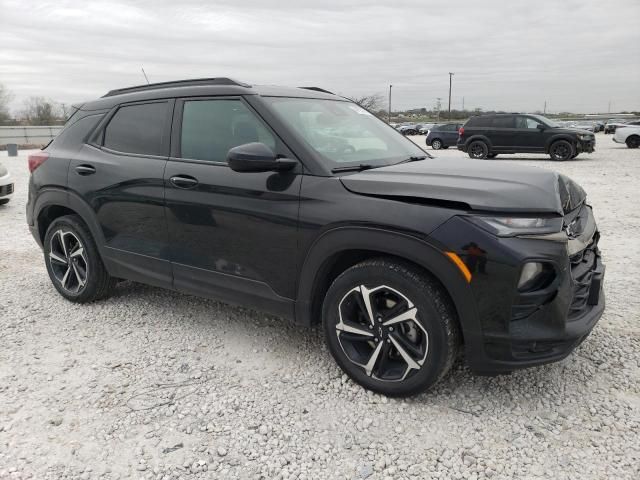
x: 576, y: 54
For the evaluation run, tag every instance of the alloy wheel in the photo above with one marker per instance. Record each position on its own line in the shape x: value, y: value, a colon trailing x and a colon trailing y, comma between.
x: 476, y: 150
x: 436, y: 145
x: 378, y: 331
x: 561, y: 151
x: 68, y: 261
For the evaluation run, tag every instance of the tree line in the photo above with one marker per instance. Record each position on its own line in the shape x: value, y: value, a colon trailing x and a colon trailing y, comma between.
x: 34, y: 111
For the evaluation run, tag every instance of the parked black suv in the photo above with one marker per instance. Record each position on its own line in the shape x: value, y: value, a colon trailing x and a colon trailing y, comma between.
x: 300, y: 203
x: 443, y: 136
x: 486, y: 136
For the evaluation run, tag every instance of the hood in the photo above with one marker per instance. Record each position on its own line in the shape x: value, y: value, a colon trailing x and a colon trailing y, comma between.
x: 573, y: 130
x: 477, y: 185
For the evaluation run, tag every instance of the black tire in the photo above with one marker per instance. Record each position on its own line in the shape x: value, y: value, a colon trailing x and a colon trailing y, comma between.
x: 4, y: 201
x: 436, y: 144
x: 492, y: 155
x: 561, y: 150
x: 445, y: 147
x: 411, y: 132
x: 393, y: 288
x: 633, y: 141
x: 70, y: 253
x: 478, y: 150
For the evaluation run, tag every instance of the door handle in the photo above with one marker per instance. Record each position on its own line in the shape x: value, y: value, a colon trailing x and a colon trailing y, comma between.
x: 183, y: 181
x: 85, y: 170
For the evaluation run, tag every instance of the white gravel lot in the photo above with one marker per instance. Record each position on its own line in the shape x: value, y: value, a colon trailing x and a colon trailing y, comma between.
x: 158, y: 385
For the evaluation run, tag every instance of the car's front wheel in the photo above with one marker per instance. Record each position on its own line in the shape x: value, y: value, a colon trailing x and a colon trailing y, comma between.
x: 561, y: 151
x: 390, y: 327
x: 73, y: 262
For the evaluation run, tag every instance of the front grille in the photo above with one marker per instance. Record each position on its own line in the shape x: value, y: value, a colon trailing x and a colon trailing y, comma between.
x: 6, y: 189
x: 584, y: 269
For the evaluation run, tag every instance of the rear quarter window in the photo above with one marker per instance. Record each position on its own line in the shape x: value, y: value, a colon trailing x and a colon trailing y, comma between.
x: 478, y: 122
x: 139, y: 128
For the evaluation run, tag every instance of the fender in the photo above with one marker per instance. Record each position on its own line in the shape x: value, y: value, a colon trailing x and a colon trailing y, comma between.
x: 401, y: 245
x: 559, y: 136
x: 483, y: 138
x: 50, y: 196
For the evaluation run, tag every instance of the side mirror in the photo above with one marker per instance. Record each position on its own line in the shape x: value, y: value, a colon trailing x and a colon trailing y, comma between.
x: 540, y: 127
x: 257, y: 157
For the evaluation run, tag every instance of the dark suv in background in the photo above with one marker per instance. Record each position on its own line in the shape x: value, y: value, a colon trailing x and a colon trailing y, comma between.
x: 300, y: 203
x: 486, y: 136
x: 443, y: 136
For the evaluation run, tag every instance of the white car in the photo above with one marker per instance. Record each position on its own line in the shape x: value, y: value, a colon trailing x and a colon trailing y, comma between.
x: 6, y: 185
x: 629, y: 134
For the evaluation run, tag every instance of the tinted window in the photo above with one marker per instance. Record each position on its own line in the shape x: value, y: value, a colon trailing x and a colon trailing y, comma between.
x: 138, y: 129
x: 503, y: 122
x: 211, y: 127
x: 479, y: 122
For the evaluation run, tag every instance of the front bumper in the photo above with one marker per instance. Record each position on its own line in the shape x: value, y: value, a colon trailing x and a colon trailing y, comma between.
x: 6, y: 187
x: 586, y: 146
x: 513, y: 329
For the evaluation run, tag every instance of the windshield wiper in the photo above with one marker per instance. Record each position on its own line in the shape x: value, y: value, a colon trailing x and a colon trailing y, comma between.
x: 413, y: 159
x: 352, y: 168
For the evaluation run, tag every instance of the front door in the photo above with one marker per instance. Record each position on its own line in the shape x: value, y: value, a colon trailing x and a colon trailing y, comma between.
x: 529, y: 136
x: 120, y: 176
x: 233, y: 235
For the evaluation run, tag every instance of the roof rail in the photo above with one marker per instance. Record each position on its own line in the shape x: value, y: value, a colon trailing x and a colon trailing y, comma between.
x: 177, y: 83
x: 318, y: 89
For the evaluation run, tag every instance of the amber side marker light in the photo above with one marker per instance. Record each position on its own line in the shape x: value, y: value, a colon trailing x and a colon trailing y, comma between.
x: 460, y: 264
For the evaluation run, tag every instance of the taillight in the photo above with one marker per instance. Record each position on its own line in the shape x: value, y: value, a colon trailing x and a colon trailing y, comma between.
x: 461, y: 131
x: 37, y: 159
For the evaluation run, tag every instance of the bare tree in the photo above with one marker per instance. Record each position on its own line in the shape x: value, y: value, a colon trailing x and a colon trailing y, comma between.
x: 5, y: 98
x: 373, y: 103
x: 41, y: 111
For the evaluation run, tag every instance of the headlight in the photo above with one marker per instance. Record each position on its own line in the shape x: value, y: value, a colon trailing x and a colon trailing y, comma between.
x: 584, y: 137
x: 511, y: 226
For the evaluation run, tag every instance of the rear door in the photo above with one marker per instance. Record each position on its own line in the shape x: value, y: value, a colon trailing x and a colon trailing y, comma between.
x: 120, y: 176
x: 528, y: 136
x: 233, y: 235
x: 502, y: 133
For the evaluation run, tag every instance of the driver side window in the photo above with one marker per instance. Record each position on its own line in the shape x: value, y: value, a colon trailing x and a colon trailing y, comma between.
x: 210, y: 128
x: 526, y: 122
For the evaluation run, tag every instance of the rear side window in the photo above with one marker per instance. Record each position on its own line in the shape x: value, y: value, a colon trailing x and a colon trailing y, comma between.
x: 503, y: 122
x: 210, y: 128
x: 138, y: 129
x: 479, y: 122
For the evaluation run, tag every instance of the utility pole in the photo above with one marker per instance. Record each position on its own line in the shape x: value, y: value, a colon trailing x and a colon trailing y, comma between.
x: 438, y: 106
x: 451, y: 74
x: 462, y: 103
x: 389, y: 116
x: 545, y: 107
x: 609, y: 110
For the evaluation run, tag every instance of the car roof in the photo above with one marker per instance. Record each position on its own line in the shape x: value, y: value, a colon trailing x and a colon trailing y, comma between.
x: 202, y: 87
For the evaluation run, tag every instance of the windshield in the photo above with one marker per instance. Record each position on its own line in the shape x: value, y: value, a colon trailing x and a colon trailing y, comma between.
x: 342, y: 133
x: 546, y: 121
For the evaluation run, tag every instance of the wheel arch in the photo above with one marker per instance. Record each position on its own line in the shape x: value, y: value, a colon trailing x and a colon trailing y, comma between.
x: 482, y: 138
x: 573, y: 141
x: 55, y: 203
x: 343, y: 247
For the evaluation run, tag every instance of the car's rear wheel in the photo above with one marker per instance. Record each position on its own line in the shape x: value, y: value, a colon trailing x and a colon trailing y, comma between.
x: 436, y: 144
x: 633, y: 141
x: 561, y: 151
x: 390, y: 327
x: 478, y: 150
x: 73, y: 262
x: 411, y: 132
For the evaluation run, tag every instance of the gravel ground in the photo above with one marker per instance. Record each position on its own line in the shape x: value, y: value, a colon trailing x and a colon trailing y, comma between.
x: 158, y: 385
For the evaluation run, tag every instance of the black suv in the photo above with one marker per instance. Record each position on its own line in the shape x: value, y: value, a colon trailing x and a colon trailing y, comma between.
x: 300, y: 203
x: 443, y: 136
x: 486, y: 136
